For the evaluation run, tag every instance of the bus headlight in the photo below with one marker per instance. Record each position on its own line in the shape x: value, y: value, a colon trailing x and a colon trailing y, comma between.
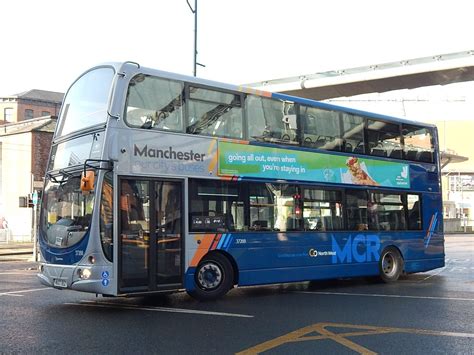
x: 84, y: 273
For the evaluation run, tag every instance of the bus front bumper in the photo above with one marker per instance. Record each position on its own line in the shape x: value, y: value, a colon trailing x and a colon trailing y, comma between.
x: 77, y: 277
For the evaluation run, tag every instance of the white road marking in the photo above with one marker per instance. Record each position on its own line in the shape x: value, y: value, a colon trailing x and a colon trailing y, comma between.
x: 389, y: 296
x: 18, y: 273
x: 15, y: 293
x: 157, y: 309
x: 434, y: 274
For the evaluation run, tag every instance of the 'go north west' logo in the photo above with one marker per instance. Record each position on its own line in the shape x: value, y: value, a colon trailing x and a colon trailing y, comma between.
x: 361, y: 248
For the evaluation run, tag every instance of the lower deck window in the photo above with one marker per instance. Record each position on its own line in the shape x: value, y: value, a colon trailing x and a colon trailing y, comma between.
x: 386, y: 212
x: 322, y: 210
x: 215, y: 206
x: 274, y: 207
x: 224, y: 206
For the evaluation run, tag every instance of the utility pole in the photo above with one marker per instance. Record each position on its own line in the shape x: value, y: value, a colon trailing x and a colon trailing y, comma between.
x: 195, y: 12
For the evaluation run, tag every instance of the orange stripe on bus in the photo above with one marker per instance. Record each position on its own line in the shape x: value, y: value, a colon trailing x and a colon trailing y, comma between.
x: 213, y: 163
x: 216, y: 241
x: 252, y: 91
x: 203, y: 248
x: 429, y: 228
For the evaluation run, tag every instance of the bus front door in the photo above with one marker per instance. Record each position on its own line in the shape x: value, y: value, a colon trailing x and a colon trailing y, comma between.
x: 150, y: 235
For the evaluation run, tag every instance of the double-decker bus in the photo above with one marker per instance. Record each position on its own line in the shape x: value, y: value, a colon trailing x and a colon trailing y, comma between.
x: 159, y: 182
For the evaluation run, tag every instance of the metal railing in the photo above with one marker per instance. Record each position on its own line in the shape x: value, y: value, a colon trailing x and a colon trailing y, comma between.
x: 458, y: 225
x: 5, y: 235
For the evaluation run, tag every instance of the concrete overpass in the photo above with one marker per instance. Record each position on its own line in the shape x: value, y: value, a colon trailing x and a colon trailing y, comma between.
x: 404, y: 74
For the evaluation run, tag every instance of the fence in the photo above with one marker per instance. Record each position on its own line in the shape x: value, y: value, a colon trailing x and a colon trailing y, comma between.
x: 458, y: 225
x: 5, y: 235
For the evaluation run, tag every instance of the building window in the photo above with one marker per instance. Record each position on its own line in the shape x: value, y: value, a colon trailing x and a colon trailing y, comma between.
x: 28, y: 114
x: 8, y: 114
x: 45, y: 113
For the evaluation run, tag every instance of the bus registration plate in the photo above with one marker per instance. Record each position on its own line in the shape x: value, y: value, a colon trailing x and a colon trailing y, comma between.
x: 60, y: 283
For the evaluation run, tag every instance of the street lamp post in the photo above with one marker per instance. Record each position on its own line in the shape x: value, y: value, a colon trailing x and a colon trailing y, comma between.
x: 195, y: 12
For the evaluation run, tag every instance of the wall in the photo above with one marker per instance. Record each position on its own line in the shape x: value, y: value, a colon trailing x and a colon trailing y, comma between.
x: 19, y: 106
x: 40, y: 153
x: 38, y: 107
x: 16, y: 180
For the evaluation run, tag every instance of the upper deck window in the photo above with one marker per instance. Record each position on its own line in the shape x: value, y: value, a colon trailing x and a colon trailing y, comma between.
x: 214, y: 113
x: 86, y: 102
x: 353, y: 133
x: 418, y: 143
x: 321, y: 128
x: 271, y: 120
x: 384, y: 139
x: 154, y: 103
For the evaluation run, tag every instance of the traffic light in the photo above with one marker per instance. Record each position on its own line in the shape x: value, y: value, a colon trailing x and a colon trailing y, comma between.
x: 25, y: 201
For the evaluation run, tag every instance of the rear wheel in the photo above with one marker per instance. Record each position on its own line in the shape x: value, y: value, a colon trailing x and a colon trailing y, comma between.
x: 214, y: 277
x: 390, y: 265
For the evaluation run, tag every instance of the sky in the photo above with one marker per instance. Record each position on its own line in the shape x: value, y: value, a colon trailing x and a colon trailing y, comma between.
x: 46, y: 44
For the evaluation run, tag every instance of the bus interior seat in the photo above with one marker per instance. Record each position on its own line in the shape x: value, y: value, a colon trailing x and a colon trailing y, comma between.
x: 229, y: 221
x: 348, y: 147
x: 332, y: 222
x: 320, y: 142
x: 396, y: 153
x: 411, y: 154
x: 414, y: 220
x: 308, y: 142
x: 380, y: 152
x: 359, y: 149
x: 425, y: 156
x: 337, y: 222
x: 293, y: 224
x: 260, y: 224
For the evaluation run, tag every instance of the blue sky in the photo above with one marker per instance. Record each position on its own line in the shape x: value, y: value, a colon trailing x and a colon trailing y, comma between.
x: 47, y: 44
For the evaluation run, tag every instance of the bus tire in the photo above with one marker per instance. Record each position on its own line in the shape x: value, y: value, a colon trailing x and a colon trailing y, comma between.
x: 390, y: 265
x: 214, y: 277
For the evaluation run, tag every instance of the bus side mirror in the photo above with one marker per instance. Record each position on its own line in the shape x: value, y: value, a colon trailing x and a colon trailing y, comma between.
x: 87, y: 181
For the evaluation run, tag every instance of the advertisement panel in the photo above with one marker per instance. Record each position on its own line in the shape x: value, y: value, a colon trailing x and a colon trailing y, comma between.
x: 168, y: 154
x: 273, y: 163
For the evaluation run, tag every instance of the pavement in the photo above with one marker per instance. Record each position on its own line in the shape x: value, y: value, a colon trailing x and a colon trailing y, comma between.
x: 16, y: 251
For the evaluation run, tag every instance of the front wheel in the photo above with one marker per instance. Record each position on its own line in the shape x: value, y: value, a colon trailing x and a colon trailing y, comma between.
x: 390, y: 265
x: 214, y: 277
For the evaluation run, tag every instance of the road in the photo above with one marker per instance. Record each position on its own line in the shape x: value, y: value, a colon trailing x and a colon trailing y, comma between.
x: 422, y: 313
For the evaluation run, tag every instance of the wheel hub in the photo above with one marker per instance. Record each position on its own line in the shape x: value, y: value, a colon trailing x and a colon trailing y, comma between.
x: 209, y: 276
x: 388, y: 265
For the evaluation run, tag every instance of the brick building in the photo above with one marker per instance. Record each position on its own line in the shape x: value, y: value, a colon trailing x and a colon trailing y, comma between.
x: 24, y: 151
x: 28, y: 105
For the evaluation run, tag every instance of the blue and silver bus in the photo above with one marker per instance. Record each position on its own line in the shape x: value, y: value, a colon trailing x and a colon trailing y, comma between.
x: 159, y: 182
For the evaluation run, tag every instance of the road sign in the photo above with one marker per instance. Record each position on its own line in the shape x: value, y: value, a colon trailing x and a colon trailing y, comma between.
x: 34, y: 198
